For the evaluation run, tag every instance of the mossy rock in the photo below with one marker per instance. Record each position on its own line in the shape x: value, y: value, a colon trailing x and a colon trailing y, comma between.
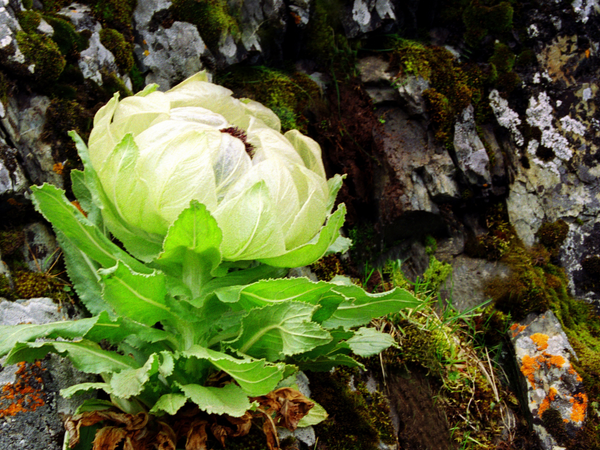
x: 212, y: 17
x: 121, y: 49
x: 44, y: 54
x: 69, y: 41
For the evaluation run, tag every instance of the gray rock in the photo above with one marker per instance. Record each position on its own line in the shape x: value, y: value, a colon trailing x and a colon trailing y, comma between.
x: 96, y: 59
x: 9, y: 25
x: 543, y: 356
x: 364, y: 16
x: 410, y: 89
x: 13, y: 183
x: 471, y: 155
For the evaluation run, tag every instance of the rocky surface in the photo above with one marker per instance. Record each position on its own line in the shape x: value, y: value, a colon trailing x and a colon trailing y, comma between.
x: 434, y: 139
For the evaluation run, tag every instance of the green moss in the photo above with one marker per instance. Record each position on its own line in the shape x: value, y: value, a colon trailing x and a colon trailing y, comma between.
x: 121, y: 49
x: 526, y: 59
x: 328, y: 267
x: 5, y: 86
x: 552, y: 235
x: 29, y: 20
x: 31, y: 284
x: 55, y: 5
x: 287, y: 94
x: 502, y: 58
x: 111, y: 83
x: 137, y: 79
x: 436, y: 274
x: 116, y: 14
x: 69, y: 41
x: 27, y: 4
x: 11, y: 242
x: 212, y: 17
x: 44, y: 53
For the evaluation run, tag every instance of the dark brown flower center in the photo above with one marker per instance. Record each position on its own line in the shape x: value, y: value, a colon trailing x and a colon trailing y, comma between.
x: 242, y: 136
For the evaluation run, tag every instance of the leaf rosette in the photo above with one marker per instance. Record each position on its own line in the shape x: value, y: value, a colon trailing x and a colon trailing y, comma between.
x: 211, y: 206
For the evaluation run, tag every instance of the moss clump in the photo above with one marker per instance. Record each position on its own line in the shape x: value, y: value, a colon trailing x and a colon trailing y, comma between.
x: 69, y: 41
x: 121, y: 49
x: 212, y: 17
x: 328, y: 267
x: 111, y: 83
x: 11, y: 242
x: 116, y: 14
x: 287, y: 94
x: 44, y: 54
x: 29, y: 20
x: 552, y: 235
x: 31, y: 284
x: 482, y: 20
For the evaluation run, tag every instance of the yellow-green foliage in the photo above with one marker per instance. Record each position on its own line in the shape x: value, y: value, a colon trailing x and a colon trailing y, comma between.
x: 119, y: 47
x: 29, y: 20
x: 44, y: 53
x: 115, y: 13
x: 287, y: 94
x: 212, y: 17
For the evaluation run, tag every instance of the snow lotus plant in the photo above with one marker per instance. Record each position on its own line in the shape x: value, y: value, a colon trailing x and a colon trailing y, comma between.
x: 212, y: 205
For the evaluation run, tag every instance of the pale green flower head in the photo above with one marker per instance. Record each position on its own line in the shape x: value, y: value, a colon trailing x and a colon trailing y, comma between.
x: 155, y: 152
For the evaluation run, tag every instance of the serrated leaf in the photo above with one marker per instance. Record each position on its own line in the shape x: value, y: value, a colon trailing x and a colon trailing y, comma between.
x: 167, y: 364
x: 138, y: 296
x: 229, y: 399
x: 83, y: 274
x: 256, y: 377
x: 368, y: 342
x: 54, y: 206
x: 280, y: 330
x: 169, y: 404
x: 130, y: 382
x: 85, y: 387
x: 85, y: 355
x: 10, y: 335
x: 361, y: 307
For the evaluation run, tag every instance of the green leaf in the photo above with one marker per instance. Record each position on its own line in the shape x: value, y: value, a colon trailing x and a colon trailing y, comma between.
x: 85, y: 355
x: 83, y: 274
x: 130, y: 382
x: 10, y: 335
x: 310, y: 252
x: 138, y: 296
x: 326, y: 363
x: 316, y: 415
x: 362, y: 306
x: 279, y: 330
x: 195, y: 230
x: 229, y: 399
x: 267, y: 292
x: 169, y: 404
x: 368, y: 342
x: 54, y: 206
x: 85, y: 387
x: 256, y: 377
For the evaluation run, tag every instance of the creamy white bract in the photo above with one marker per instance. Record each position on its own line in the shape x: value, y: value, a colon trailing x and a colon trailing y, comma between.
x: 155, y: 152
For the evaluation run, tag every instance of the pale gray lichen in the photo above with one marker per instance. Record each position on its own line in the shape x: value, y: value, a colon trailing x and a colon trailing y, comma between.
x: 506, y: 117
x: 584, y: 8
x: 571, y: 125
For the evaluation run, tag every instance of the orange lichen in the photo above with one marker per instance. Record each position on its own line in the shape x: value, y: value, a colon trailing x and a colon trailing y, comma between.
x: 555, y: 360
x: 58, y: 168
x: 541, y: 340
x: 546, y: 403
x: 516, y: 329
x: 579, y: 402
x: 528, y: 368
x: 25, y: 394
x: 572, y: 371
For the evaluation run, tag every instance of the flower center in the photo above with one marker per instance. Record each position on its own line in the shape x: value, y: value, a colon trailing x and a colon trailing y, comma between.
x: 242, y: 136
